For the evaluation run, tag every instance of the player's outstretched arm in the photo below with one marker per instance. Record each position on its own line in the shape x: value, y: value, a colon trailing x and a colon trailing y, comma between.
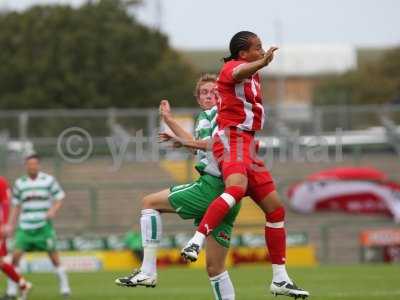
x: 165, y: 113
x: 190, y: 144
x: 197, y: 144
x: 246, y: 70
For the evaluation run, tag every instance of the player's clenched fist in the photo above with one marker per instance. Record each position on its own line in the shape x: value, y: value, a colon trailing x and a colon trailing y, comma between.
x: 165, y: 109
x: 269, y: 55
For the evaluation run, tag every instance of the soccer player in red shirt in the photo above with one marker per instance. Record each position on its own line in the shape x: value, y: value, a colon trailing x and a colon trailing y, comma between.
x: 240, y: 115
x: 7, y: 268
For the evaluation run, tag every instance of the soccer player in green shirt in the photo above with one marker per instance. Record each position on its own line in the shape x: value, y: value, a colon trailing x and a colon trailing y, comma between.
x: 189, y: 201
x: 37, y: 197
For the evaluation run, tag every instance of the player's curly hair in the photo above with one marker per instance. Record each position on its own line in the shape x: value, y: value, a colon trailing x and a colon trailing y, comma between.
x: 239, y: 42
x: 202, y: 80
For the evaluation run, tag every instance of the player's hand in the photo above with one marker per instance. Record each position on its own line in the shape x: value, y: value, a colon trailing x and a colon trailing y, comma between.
x: 166, y: 137
x: 165, y: 109
x: 269, y: 55
x: 177, y: 144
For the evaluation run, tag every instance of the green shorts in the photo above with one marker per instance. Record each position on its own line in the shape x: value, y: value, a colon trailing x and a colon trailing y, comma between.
x: 41, y: 239
x: 191, y: 201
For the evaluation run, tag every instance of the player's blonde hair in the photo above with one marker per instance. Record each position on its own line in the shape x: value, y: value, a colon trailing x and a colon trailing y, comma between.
x: 202, y: 80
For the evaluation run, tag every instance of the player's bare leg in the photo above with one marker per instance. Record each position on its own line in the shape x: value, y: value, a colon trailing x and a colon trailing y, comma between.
x: 275, y: 237
x: 65, y: 289
x: 219, y: 277
x: 12, y: 286
x: 235, y: 187
x: 151, y: 228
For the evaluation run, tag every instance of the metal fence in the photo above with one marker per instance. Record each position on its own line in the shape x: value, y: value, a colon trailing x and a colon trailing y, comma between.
x: 44, y: 124
x: 102, y: 198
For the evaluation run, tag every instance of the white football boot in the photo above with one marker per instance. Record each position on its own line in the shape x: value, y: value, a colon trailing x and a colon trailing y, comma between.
x: 285, y: 288
x: 137, y: 278
x: 190, y: 252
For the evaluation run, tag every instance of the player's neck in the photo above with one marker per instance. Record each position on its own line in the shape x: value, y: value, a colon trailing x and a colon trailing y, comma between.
x: 33, y: 176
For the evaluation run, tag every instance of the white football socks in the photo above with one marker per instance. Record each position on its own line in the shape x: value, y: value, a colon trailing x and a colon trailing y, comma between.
x: 279, y: 273
x: 199, y: 239
x: 222, y: 287
x: 151, y: 228
x: 63, y: 280
x: 12, y: 288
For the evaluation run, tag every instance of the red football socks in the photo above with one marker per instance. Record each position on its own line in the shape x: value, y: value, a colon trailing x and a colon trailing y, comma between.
x: 10, y: 271
x: 219, y: 208
x: 275, y: 236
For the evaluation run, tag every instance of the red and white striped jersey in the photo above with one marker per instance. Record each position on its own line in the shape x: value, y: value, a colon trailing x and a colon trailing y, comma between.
x: 241, y: 101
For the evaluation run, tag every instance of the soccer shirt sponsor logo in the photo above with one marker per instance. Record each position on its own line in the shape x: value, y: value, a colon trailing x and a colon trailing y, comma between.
x: 223, y: 235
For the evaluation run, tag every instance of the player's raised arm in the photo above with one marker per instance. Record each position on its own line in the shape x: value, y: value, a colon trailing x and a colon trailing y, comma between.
x: 246, y: 70
x: 166, y: 114
x: 179, y: 143
x: 182, y: 138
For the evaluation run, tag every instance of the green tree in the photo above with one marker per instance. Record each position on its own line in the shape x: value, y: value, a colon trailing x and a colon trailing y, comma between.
x: 373, y: 82
x: 94, y: 56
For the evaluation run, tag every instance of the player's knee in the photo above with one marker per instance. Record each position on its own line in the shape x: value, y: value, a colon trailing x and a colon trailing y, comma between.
x: 237, y: 192
x: 238, y: 179
x: 276, y: 216
x: 148, y: 202
x: 214, y: 269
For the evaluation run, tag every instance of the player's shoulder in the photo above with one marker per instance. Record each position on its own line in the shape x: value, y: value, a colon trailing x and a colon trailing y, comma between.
x: 226, y: 74
x: 21, y: 179
x: 230, y: 65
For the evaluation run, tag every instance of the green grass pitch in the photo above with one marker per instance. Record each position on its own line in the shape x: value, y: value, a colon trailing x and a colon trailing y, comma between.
x: 324, y: 282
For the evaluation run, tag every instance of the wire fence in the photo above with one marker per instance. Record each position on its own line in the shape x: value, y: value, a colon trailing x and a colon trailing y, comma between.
x: 42, y: 124
x: 103, y: 197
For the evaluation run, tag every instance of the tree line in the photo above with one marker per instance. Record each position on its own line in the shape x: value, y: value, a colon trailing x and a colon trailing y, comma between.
x: 94, y: 56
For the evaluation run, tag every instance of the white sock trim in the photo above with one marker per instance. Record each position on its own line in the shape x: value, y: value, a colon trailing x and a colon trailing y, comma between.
x: 219, y: 276
x: 199, y: 239
x: 275, y: 225
x: 149, y: 211
x: 228, y: 198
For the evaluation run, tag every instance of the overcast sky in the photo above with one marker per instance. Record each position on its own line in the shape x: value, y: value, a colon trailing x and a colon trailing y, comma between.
x: 199, y: 24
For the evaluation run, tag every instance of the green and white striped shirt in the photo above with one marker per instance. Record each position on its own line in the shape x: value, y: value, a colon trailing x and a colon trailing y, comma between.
x: 206, y: 127
x: 35, y: 196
